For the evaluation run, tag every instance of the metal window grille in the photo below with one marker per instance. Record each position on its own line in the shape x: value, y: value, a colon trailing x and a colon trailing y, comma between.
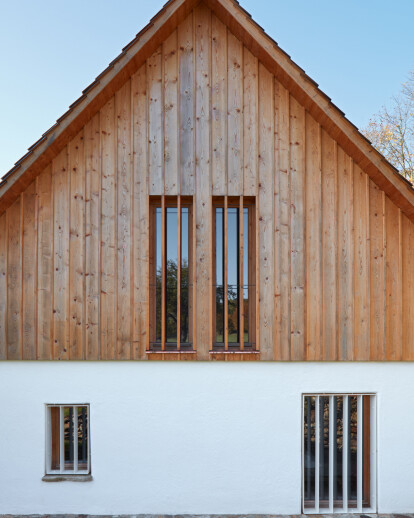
x: 339, y: 453
x: 67, y: 439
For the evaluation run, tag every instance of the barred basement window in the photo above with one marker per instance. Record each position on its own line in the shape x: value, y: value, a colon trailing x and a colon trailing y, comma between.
x: 171, y: 287
x: 339, y: 445
x: 234, y: 271
x: 67, y: 440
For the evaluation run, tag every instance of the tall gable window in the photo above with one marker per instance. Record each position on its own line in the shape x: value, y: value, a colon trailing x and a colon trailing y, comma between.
x: 171, y: 288
x: 234, y: 265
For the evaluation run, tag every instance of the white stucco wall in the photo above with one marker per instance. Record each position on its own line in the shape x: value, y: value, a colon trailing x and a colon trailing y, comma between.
x: 179, y: 438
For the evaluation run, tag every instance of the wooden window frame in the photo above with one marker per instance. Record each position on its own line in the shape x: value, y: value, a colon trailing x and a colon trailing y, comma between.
x: 366, y: 501
x: 53, y: 428
x: 179, y: 202
x: 240, y: 202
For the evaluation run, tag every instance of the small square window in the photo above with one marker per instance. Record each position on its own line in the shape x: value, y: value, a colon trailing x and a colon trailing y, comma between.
x: 67, y: 440
x: 339, y: 453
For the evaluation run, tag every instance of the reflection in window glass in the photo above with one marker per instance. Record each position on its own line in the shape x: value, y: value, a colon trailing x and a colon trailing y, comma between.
x: 185, y: 316
x: 219, y: 275
x: 158, y: 291
x: 171, y: 274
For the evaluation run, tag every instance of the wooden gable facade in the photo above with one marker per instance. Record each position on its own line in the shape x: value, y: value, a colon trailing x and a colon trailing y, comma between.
x: 205, y: 114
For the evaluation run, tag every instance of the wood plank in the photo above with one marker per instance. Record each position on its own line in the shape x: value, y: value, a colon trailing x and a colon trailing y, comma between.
x: 186, y: 99
x: 377, y: 271
x: 329, y: 247
x: 77, y: 248
x: 3, y: 286
x: 235, y: 115
x: 29, y: 275
x: 297, y: 223
x: 108, y: 232
x: 61, y: 194
x: 361, y: 266
x: 265, y: 207
x: 345, y: 293
x: 218, y: 107
x: 250, y: 106
x: 155, y: 123
x: 124, y: 220
x: 407, y: 289
x: 14, y: 280
x: 282, y: 240
x: 313, y: 216
x: 141, y: 212
x: 92, y: 238
x: 45, y: 266
x: 393, y: 315
x: 171, y: 169
x: 203, y: 183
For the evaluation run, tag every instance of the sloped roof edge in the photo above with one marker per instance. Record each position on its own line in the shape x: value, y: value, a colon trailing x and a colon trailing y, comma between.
x: 240, y: 22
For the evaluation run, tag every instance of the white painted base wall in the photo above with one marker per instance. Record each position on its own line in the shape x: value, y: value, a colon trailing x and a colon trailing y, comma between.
x: 181, y: 438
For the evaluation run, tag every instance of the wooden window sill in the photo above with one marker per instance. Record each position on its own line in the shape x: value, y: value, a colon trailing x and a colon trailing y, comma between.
x: 67, y: 478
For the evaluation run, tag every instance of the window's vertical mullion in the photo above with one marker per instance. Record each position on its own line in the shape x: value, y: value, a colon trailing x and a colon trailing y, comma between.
x: 178, y: 273
x: 75, y: 439
x: 164, y: 273
x: 317, y: 441
x: 62, y: 438
x: 225, y: 254
x: 332, y: 425
x: 241, y: 266
x: 360, y: 421
x: 345, y: 449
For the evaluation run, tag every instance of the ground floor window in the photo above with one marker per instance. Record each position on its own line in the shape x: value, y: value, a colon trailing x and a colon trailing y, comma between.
x: 67, y: 439
x: 339, y: 466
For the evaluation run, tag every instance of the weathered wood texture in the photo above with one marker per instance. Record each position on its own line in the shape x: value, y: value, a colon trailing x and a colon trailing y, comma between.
x: 204, y: 117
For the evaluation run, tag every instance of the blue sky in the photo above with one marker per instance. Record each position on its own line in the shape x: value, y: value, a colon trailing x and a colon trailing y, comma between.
x: 359, y: 51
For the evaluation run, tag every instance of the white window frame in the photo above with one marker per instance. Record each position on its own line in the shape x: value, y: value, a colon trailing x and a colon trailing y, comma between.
x: 373, y: 455
x: 62, y: 471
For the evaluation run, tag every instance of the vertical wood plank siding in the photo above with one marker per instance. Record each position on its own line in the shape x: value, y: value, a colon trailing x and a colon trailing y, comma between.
x: 204, y: 117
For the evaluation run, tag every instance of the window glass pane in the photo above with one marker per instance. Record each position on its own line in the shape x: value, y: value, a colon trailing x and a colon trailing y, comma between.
x: 338, y: 450
x: 68, y: 435
x: 245, y: 246
x: 55, y: 437
x: 366, y: 469
x: 219, y: 247
x: 232, y: 246
x: 82, y: 438
x: 184, y: 338
x: 219, y: 275
x: 323, y: 451
x: 171, y: 274
x: 158, y: 289
x: 309, y: 450
x: 246, y: 314
x: 352, y: 454
x: 233, y: 313
x: 233, y: 273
